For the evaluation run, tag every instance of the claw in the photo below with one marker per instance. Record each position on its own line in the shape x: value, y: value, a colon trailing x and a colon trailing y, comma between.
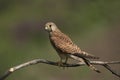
x: 60, y: 63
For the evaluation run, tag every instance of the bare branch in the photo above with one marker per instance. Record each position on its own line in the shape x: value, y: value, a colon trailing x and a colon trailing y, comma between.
x: 111, y: 70
x: 36, y: 61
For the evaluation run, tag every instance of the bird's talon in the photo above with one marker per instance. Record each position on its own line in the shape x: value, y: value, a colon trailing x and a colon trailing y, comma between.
x: 60, y: 64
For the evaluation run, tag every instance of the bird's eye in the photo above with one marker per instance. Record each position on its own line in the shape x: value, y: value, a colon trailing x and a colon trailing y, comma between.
x: 50, y: 25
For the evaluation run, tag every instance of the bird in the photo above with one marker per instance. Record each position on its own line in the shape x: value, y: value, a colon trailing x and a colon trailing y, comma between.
x: 66, y: 48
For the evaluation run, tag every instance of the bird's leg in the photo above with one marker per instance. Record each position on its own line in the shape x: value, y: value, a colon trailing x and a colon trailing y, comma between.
x: 66, y: 59
x: 60, y: 62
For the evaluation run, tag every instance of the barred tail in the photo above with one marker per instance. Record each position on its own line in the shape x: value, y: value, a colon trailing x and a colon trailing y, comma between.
x: 85, y: 55
x: 87, y: 62
x: 90, y: 65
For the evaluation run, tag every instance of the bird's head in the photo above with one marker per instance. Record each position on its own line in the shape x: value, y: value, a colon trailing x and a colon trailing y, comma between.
x: 50, y: 26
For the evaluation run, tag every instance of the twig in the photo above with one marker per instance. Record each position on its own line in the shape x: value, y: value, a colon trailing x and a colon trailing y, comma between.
x: 111, y: 70
x: 36, y: 61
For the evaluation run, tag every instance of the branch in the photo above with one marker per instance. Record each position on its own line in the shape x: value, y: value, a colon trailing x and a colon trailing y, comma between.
x: 111, y: 70
x: 36, y: 61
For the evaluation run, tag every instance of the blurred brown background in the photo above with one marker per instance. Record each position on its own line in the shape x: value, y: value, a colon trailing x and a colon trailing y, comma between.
x: 92, y: 24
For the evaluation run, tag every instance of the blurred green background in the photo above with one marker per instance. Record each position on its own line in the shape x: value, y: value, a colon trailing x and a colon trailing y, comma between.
x: 92, y: 24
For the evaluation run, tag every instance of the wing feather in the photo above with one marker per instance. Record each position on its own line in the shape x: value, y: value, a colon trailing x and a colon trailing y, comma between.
x: 64, y: 44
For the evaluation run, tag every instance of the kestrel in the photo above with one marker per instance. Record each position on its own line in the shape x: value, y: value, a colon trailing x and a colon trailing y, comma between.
x: 66, y: 48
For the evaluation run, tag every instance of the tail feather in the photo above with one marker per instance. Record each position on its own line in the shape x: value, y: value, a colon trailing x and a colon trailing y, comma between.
x: 90, y: 65
x: 85, y: 55
x: 87, y: 62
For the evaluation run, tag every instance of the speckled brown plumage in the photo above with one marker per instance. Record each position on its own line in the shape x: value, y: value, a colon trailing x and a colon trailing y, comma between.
x: 61, y: 41
x: 65, y: 47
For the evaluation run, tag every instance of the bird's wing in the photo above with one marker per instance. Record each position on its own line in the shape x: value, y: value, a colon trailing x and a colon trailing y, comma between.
x: 63, y: 44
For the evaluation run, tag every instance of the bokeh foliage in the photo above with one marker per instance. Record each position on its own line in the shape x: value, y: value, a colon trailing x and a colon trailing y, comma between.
x: 92, y: 24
